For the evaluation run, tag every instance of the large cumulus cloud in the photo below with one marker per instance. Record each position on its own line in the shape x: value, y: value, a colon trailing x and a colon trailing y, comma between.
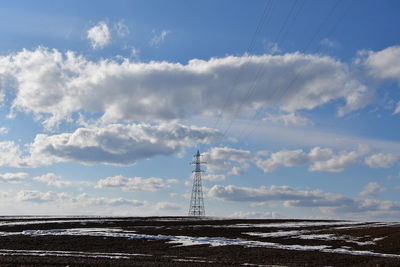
x: 114, y: 144
x: 55, y: 85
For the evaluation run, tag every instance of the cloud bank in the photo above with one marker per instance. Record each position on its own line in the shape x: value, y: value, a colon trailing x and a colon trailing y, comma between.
x: 236, y: 161
x: 113, y: 144
x: 326, y: 202
x: 135, y: 183
x: 53, y: 85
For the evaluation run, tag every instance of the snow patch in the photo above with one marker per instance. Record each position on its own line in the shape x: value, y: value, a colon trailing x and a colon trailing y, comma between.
x: 291, y: 224
x: 50, y: 253
x: 277, y: 234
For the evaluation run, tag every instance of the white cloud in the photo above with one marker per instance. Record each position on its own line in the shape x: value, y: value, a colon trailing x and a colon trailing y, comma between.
x: 235, y: 193
x: 36, y: 196
x: 13, y: 177
x: 326, y: 160
x: 121, y: 29
x: 383, y: 64
x: 53, y: 85
x: 381, y: 160
x: 235, y: 161
x: 122, y: 201
x: 3, y: 130
x: 135, y: 183
x: 372, y: 189
x: 326, y: 202
x: 288, y: 158
x: 113, y: 144
x: 11, y: 155
x: 168, y: 206
x: 289, y: 119
x: 273, y: 48
x: 397, y: 110
x: 172, y: 181
x: 32, y: 202
x: 135, y: 52
x: 239, y: 170
x: 329, y: 43
x: 73, y: 201
x: 119, y: 144
x: 99, y: 35
x: 213, y: 177
x: 86, y: 200
x: 320, y: 159
x: 52, y: 179
x: 370, y: 206
x: 222, y: 159
x: 228, y: 153
x: 356, y: 100
x: 159, y: 38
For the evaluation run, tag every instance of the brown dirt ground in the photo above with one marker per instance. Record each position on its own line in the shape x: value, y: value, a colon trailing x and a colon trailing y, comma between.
x: 166, y: 254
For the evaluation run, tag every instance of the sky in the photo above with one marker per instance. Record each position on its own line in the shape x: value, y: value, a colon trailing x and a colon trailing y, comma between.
x: 294, y: 105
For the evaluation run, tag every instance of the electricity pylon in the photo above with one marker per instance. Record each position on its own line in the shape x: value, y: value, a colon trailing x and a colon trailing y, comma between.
x: 196, y: 201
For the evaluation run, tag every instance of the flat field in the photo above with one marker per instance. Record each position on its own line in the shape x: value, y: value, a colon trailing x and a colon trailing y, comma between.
x: 185, y: 241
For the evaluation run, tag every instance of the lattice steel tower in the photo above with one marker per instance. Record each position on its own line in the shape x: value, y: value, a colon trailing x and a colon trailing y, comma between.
x: 196, y: 201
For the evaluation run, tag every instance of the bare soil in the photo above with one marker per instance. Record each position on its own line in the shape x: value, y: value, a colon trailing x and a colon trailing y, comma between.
x: 19, y: 248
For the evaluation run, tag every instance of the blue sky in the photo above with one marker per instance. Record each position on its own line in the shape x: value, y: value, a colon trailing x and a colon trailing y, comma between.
x: 295, y: 106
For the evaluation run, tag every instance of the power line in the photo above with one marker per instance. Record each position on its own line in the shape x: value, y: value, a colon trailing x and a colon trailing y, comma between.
x: 306, y: 47
x: 330, y: 32
x: 297, y: 12
x: 310, y: 42
x: 266, y: 14
x: 252, y: 88
x: 302, y: 3
x: 269, y: 5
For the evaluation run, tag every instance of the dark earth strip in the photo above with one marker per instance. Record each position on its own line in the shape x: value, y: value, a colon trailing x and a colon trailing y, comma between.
x: 145, y: 242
